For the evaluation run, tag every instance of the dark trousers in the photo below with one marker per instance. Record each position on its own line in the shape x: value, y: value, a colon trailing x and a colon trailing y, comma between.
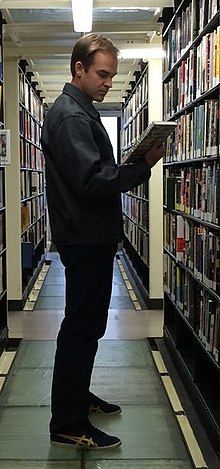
x: 88, y: 270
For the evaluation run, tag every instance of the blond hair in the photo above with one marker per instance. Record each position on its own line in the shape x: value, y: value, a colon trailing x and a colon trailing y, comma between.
x: 86, y: 47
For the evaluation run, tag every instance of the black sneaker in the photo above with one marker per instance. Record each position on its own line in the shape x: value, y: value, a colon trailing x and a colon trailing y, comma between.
x: 90, y: 438
x: 98, y: 406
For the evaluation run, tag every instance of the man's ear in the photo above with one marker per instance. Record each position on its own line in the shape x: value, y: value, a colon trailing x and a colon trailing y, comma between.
x: 79, y: 69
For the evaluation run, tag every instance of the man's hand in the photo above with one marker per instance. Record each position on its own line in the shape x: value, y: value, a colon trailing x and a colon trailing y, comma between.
x: 154, y: 154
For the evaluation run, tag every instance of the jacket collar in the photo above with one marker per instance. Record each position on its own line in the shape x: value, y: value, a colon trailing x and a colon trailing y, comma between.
x: 81, y: 99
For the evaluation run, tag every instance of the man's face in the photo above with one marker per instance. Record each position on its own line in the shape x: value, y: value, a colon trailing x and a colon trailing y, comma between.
x: 97, y: 80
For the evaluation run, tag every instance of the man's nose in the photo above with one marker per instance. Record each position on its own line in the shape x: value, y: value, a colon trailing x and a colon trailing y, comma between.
x: 108, y: 82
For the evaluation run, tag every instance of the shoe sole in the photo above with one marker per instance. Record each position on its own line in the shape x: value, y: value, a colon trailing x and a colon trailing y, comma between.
x: 65, y: 445
x: 106, y: 413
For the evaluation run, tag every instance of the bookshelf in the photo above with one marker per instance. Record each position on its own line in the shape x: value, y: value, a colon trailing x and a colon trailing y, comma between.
x: 143, y: 206
x: 3, y: 282
x: 191, y: 76
x: 26, y: 226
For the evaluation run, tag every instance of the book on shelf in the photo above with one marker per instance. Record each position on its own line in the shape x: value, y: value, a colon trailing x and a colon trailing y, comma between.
x: 216, y: 339
x: 35, y: 183
x: 25, y: 215
x: 138, y: 238
x: 196, y: 304
x: 25, y: 184
x: 1, y: 62
x: 140, y: 191
x: 137, y: 210
x: 26, y: 94
x: 194, y: 191
x: 1, y: 232
x: 33, y: 156
x: 27, y: 251
x: 207, y: 9
x: 1, y: 189
x: 191, y: 78
x: 209, y: 324
x: 1, y: 104
x: 195, y: 247
x: 21, y: 88
x: 155, y: 133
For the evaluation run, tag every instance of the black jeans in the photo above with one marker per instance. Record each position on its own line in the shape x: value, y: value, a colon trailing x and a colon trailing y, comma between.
x: 88, y: 270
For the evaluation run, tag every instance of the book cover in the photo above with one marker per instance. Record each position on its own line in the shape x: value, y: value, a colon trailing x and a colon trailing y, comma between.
x: 170, y: 192
x: 180, y: 240
x: 27, y: 255
x: 25, y: 216
x: 155, y: 133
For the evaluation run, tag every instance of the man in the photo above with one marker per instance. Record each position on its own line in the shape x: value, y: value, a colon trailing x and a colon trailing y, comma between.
x: 84, y: 188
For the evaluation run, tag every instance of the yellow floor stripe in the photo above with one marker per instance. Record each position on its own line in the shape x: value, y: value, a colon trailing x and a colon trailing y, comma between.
x: 6, y: 360
x: 38, y: 284
x: 2, y: 380
x: 29, y: 306
x: 159, y: 362
x: 172, y: 394
x: 132, y: 295
x: 131, y: 292
x: 121, y: 268
x: 191, y: 442
x: 128, y: 285
x: 185, y: 427
x: 124, y: 275
x: 33, y: 296
x: 42, y: 275
x: 137, y: 305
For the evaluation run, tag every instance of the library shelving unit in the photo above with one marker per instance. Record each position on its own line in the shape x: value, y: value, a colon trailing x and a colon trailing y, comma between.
x: 3, y: 281
x: 143, y: 206
x: 25, y: 183
x: 191, y: 74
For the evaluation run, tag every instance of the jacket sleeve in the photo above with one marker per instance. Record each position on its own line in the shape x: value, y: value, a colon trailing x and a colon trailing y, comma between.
x: 78, y: 159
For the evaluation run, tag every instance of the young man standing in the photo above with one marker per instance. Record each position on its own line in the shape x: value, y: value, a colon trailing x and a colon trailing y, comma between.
x: 84, y: 188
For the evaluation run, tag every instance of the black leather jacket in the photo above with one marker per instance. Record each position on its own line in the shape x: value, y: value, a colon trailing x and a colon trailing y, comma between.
x: 83, y: 182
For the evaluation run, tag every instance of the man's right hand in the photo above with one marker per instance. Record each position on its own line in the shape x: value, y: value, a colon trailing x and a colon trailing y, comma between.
x: 154, y: 154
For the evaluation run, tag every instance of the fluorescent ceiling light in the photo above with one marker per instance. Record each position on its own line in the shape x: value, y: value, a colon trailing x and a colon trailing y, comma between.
x: 145, y: 53
x: 130, y: 8
x: 82, y: 15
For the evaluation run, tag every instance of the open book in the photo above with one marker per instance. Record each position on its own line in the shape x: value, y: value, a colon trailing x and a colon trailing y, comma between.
x: 155, y: 133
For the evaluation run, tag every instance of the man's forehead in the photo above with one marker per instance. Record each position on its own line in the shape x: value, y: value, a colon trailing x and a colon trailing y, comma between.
x: 112, y: 71
x: 105, y: 59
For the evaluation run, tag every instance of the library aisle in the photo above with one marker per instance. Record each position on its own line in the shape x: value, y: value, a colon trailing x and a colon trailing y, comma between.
x: 124, y: 373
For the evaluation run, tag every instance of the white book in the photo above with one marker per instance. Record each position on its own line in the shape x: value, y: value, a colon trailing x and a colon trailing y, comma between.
x: 155, y: 133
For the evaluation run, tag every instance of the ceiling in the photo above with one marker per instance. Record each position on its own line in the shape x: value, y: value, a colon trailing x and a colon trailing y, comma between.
x: 41, y: 31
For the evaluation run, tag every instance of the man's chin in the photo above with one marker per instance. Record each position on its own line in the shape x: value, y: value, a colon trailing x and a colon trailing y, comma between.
x: 99, y: 99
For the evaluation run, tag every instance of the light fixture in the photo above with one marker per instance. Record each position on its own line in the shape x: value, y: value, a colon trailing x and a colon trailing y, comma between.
x: 145, y: 53
x: 129, y: 8
x: 82, y: 15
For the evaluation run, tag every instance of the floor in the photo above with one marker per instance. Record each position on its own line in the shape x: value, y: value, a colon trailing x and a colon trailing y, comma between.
x: 124, y: 373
